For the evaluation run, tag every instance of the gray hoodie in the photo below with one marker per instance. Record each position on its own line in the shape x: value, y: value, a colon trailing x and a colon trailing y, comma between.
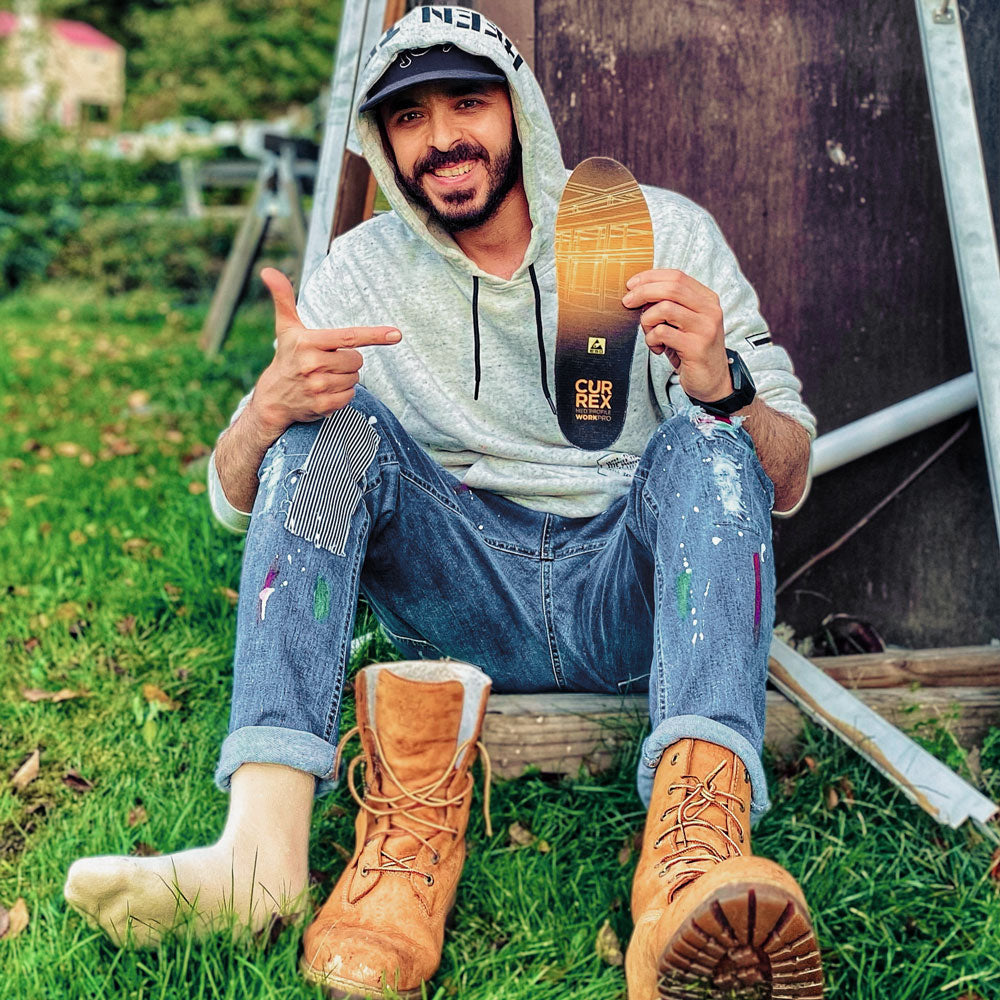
x: 499, y: 432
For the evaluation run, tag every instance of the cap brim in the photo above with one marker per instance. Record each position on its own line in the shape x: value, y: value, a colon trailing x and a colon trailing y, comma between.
x: 430, y: 77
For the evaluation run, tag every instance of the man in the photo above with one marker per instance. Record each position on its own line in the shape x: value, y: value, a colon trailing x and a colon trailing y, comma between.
x: 442, y: 489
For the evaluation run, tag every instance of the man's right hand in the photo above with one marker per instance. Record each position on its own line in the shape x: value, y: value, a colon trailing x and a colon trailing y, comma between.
x: 313, y: 372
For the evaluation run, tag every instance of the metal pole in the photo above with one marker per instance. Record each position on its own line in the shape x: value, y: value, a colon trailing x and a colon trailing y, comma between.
x: 862, y: 437
x: 968, y: 202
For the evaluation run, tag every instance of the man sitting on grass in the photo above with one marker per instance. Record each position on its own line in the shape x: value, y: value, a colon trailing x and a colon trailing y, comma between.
x: 435, y: 481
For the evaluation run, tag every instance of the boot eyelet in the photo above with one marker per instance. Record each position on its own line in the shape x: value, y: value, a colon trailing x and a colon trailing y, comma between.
x: 435, y: 858
x: 364, y: 873
x: 743, y: 808
x: 673, y: 760
x: 430, y: 879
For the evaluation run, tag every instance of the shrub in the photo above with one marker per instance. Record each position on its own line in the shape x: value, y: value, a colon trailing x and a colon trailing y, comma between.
x: 118, y: 252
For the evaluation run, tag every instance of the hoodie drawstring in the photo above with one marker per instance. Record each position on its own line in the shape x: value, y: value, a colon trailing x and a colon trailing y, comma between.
x: 539, y: 329
x: 475, y: 328
x: 541, y: 339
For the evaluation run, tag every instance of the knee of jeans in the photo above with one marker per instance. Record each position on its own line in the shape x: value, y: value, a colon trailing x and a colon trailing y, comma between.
x: 694, y: 447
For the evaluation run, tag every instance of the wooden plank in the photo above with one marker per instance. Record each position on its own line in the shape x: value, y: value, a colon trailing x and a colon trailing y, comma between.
x: 356, y: 195
x: 237, y: 269
x: 560, y: 733
x: 977, y: 666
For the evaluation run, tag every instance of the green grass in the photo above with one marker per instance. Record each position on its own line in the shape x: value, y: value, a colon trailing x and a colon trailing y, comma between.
x: 113, y: 577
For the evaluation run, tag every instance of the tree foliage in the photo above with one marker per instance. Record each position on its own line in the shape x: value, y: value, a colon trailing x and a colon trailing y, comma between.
x: 220, y: 59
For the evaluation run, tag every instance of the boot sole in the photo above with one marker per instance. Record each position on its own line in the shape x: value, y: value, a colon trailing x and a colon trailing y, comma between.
x: 747, y: 940
x: 604, y: 236
x: 346, y: 989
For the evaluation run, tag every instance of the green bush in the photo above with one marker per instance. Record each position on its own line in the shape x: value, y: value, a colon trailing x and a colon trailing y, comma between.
x: 117, y: 252
x: 49, y: 184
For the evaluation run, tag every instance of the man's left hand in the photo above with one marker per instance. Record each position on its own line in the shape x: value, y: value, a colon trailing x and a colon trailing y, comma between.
x: 683, y: 318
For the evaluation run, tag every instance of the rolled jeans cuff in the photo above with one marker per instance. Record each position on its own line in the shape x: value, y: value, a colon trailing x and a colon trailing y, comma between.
x: 696, y: 727
x: 277, y: 745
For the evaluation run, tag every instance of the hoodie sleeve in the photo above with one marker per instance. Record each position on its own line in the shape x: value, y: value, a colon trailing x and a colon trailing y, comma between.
x: 323, y: 302
x: 710, y: 261
x: 230, y: 517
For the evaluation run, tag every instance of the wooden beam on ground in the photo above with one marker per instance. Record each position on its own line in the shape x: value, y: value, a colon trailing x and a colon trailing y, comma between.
x: 561, y: 733
x: 977, y: 666
x: 920, y: 776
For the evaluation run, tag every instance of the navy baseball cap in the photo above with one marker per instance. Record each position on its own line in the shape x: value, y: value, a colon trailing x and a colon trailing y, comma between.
x: 439, y: 62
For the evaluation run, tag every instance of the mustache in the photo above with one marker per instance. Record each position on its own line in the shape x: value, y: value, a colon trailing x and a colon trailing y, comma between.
x: 436, y: 158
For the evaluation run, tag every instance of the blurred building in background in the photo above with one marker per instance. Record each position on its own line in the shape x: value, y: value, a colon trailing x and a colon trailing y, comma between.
x: 59, y: 71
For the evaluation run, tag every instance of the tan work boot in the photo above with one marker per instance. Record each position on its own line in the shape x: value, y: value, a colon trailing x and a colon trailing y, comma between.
x: 383, y: 925
x: 710, y: 919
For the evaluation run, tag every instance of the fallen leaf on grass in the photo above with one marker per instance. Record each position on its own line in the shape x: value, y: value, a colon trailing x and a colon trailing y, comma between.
x: 832, y: 798
x: 77, y: 537
x: 172, y: 589
x: 847, y: 788
x: 144, y: 850
x: 35, y: 500
x: 196, y: 487
x: 78, y: 627
x: 126, y: 626
x: 520, y: 836
x: 67, y: 610
x: 174, y: 436
x: 630, y: 845
x: 27, y: 772
x: 134, y: 544
x: 138, y: 400
x: 32, y: 643
x: 607, y: 945
x: 137, y: 815
x: 229, y: 594
x: 35, y: 694
x: 73, y: 779
x: 15, y: 920
x: 994, y: 870
x: 152, y: 693
x: 68, y: 449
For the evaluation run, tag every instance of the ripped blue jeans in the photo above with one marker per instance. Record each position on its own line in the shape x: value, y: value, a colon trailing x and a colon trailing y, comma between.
x: 671, y: 588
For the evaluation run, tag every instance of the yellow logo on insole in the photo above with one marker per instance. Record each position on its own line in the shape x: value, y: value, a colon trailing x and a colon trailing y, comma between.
x: 595, y: 345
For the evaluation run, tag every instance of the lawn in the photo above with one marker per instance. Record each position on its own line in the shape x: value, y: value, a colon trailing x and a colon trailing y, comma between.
x: 117, y: 593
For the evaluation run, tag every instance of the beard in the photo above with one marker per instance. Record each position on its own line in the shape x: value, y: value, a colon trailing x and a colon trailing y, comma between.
x: 503, y: 172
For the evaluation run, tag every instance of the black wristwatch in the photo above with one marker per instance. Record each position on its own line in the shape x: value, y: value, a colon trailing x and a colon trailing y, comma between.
x: 743, y: 392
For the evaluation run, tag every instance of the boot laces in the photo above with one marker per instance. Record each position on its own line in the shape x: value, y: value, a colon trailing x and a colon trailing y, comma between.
x: 398, y: 808
x: 689, y: 850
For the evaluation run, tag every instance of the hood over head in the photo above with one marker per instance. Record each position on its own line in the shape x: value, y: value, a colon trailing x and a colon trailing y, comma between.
x: 543, y: 172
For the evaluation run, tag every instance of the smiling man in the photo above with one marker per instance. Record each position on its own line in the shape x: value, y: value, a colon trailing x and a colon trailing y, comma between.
x: 435, y: 481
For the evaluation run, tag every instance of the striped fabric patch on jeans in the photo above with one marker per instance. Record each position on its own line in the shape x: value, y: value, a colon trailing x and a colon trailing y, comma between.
x: 329, y: 485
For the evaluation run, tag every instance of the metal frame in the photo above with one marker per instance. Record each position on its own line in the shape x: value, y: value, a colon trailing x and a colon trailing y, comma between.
x: 360, y: 28
x: 971, y: 223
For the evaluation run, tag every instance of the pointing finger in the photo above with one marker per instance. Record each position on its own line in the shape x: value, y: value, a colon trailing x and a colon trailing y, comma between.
x: 359, y: 336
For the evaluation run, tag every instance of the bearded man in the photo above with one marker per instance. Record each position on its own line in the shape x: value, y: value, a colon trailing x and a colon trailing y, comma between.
x: 435, y: 481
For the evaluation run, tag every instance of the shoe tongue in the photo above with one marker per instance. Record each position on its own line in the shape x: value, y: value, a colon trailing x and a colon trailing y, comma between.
x: 417, y: 723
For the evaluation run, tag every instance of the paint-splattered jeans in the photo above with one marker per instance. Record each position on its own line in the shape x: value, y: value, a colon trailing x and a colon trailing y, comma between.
x: 671, y: 587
